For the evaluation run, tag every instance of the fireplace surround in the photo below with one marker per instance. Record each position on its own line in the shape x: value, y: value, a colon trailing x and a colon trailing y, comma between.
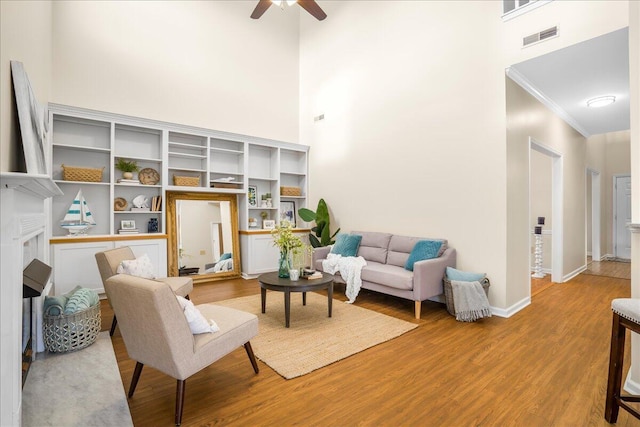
x: 24, y: 199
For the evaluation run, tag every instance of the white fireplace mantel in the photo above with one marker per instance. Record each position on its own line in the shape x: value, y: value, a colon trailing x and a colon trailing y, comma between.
x: 23, y: 218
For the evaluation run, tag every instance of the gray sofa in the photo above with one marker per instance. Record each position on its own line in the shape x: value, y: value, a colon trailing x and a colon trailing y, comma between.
x: 386, y: 255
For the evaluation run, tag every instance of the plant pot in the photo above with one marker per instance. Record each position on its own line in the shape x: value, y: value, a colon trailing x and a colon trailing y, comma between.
x: 127, y: 175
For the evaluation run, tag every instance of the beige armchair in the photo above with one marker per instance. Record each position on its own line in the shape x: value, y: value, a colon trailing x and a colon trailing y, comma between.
x: 108, y: 262
x: 156, y: 332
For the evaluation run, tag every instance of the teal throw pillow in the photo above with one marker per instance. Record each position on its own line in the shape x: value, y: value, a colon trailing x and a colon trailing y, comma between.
x: 423, y: 249
x: 224, y: 256
x: 81, y: 300
x: 347, y: 244
x: 54, y: 305
x: 462, y: 276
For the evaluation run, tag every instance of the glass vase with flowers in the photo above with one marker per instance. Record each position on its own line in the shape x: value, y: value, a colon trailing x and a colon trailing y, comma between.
x: 288, y: 243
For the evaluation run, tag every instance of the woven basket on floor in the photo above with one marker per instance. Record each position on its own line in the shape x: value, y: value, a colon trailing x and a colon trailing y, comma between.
x: 76, y: 173
x: 186, y: 181
x: 68, y: 332
x: 448, y: 293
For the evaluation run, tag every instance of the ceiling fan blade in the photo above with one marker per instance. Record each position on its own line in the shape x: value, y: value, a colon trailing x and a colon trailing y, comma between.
x: 312, y: 7
x: 261, y: 8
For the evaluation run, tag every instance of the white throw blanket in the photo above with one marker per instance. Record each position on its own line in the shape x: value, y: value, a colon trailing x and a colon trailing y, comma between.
x: 350, y: 269
x: 470, y: 301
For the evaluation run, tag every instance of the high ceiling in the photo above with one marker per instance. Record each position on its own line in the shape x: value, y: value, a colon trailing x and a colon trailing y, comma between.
x: 565, y: 79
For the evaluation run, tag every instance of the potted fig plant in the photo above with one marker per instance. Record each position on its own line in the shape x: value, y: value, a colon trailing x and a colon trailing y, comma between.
x: 320, y: 234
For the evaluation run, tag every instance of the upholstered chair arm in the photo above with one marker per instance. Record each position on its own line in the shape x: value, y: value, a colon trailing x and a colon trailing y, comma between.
x: 428, y: 275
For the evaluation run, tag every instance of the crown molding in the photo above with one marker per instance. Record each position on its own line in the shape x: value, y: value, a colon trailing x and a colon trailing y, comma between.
x: 523, y: 82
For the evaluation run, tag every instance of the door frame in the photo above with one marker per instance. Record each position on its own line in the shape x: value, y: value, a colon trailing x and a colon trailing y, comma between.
x: 614, y: 221
x: 596, y: 212
x: 557, y: 209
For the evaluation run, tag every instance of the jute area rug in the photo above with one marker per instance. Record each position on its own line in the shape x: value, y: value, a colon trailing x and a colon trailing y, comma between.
x: 314, y: 340
x: 78, y: 388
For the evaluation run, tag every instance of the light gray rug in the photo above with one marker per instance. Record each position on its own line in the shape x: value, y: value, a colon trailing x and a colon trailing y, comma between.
x: 79, y: 388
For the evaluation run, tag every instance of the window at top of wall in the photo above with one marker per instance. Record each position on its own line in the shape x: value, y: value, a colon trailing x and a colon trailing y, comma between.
x: 513, y: 8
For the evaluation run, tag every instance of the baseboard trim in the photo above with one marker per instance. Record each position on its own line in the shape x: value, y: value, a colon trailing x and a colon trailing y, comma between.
x: 574, y: 273
x: 631, y: 386
x: 510, y: 311
x: 607, y: 257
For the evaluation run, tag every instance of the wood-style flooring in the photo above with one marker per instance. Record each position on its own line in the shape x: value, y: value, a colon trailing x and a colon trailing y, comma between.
x: 544, y: 366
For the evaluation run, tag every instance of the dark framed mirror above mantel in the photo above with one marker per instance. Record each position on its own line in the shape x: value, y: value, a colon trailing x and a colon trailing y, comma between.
x: 202, y: 235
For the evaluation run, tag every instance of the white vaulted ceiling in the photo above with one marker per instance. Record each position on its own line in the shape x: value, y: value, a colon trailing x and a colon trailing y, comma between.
x: 566, y: 79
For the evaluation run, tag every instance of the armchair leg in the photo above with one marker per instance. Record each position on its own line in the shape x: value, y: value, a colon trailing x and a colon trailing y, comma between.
x: 114, y: 323
x: 418, y: 307
x: 134, y: 380
x: 252, y: 358
x: 180, y: 386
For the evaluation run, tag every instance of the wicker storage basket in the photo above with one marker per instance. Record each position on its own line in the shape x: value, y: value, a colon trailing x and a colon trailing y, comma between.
x: 76, y: 173
x: 290, y: 191
x: 68, y: 332
x: 186, y: 181
x: 448, y: 293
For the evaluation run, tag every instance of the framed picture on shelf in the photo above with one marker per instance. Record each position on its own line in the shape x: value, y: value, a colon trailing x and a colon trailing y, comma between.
x: 127, y: 224
x: 288, y: 212
x: 252, y: 195
x: 269, y: 224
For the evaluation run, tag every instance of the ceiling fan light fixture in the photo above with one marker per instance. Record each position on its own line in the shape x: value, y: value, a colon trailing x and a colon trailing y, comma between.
x: 601, y: 101
x: 279, y: 2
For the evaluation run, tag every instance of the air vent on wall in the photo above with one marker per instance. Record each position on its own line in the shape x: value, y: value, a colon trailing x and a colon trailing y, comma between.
x: 538, y: 37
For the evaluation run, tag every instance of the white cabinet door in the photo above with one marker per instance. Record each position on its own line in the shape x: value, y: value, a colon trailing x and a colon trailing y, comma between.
x: 74, y: 264
x: 259, y: 255
x: 155, y: 249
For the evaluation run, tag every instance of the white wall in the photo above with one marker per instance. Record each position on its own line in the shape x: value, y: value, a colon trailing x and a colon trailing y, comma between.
x: 407, y: 122
x: 201, y: 63
x: 25, y: 36
x: 413, y: 137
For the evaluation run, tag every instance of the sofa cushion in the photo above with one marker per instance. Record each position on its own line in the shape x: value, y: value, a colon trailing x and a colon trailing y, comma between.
x: 387, y: 275
x: 346, y: 244
x: 401, y: 246
x: 423, y: 249
x: 373, y: 246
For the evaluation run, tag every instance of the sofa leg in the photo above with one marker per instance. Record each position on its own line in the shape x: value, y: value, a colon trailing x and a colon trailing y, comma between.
x: 417, y: 309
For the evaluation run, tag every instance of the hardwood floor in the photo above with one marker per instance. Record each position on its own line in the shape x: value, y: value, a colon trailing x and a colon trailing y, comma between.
x: 545, y: 366
x: 618, y: 269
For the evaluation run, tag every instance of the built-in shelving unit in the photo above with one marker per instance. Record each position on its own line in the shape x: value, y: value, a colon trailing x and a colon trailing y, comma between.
x: 220, y: 162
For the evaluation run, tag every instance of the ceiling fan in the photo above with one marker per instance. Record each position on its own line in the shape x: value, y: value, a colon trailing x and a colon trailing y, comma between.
x: 309, y: 5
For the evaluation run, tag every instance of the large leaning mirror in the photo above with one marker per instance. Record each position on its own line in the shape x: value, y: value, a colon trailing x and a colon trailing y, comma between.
x: 202, y: 235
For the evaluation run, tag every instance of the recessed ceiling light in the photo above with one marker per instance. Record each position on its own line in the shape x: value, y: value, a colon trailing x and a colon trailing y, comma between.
x: 601, y: 101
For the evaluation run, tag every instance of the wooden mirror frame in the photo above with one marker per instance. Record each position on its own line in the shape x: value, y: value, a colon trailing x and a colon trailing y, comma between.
x: 172, y: 232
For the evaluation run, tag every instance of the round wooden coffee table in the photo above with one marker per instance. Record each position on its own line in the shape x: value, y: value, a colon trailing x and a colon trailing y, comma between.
x: 272, y: 282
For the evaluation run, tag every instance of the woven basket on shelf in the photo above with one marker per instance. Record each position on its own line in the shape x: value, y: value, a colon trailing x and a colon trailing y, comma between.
x: 186, y: 181
x: 448, y: 293
x: 68, y: 332
x: 290, y: 191
x: 76, y: 173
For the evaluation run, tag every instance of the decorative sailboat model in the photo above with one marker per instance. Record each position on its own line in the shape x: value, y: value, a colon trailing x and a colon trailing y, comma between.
x: 78, y: 218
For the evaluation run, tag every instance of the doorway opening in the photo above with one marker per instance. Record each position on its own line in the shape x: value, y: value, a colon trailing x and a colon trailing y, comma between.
x: 556, y: 206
